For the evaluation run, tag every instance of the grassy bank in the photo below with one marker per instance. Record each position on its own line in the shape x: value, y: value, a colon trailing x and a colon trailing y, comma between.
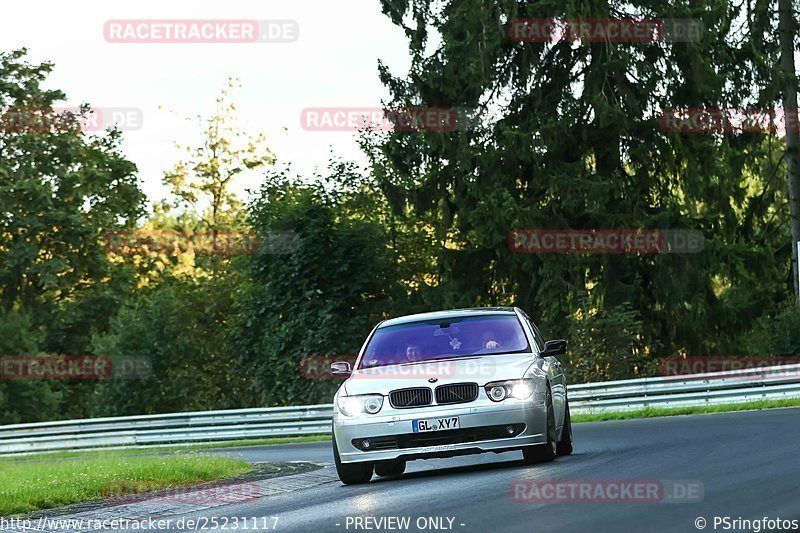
x: 42, y: 482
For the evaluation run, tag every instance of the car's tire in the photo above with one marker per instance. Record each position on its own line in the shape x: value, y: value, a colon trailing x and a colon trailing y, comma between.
x: 351, y: 473
x: 390, y: 468
x: 543, y: 453
x: 564, y: 446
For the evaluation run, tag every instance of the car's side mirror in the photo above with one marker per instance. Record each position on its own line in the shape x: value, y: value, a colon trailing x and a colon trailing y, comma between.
x: 340, y: 368
x: 554, y: 347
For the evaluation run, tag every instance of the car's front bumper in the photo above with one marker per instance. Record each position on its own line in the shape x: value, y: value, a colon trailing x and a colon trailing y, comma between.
x: 480, y: 414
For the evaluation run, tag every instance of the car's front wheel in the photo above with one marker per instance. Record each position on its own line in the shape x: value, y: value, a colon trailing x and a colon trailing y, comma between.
x: 390, y: 468
x: 351, y: 473
x: 542, y: 453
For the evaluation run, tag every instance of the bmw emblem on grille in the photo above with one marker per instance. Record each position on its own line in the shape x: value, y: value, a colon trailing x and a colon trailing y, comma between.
x: 433, y: 380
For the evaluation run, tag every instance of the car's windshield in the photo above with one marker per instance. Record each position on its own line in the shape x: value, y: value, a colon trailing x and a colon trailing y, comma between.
x: 449, y: 337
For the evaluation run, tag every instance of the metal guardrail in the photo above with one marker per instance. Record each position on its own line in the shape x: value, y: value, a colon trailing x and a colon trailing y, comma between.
x: 166, y: 429
x: 713, y: 388
x: 736, y: 386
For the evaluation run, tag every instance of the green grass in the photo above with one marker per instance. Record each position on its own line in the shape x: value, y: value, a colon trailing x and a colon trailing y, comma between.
x: 41, y: 482
x: 651, y: 412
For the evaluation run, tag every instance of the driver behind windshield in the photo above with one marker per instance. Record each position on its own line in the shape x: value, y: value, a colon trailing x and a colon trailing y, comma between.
x: 413, y: 353
x: 438, y: 339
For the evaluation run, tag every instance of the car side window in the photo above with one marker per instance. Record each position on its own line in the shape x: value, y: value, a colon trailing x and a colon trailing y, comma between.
x: 537, y: 335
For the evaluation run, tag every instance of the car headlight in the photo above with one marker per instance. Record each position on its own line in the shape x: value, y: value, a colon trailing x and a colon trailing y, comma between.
x: 498, y: 393
x: 355, y: 405
x: 520, y: 389
x: 523, y: 390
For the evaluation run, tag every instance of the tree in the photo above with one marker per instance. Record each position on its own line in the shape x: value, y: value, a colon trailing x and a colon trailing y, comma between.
x: 180, y: 325
x: 25, y: 400
x: 180, y: 318
x: 788, y: 30
x: 574, y: 140
x: 211, y: 168
x: 321, y: 299
x: 61, y: 190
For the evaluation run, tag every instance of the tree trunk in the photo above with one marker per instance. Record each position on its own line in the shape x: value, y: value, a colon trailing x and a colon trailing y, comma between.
x: 786, y: 25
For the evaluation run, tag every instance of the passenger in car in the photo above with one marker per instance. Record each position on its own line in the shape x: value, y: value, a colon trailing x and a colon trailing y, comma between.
x: 489, y: 340
x: 413, y: 353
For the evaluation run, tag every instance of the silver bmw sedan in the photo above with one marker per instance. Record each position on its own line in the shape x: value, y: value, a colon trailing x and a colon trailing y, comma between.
x: 450, y: 383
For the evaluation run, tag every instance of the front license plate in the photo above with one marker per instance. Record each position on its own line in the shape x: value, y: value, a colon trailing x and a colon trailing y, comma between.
x: 435, y: 424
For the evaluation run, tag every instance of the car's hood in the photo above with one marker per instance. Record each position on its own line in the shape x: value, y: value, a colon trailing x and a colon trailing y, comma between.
x: 479, y: 370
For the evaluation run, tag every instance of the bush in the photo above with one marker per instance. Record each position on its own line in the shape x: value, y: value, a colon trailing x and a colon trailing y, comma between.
x: 607, y: 344
x: 777, y: 333
x: 180, y: 326
x: 25, y: 400
x: 322, y: 299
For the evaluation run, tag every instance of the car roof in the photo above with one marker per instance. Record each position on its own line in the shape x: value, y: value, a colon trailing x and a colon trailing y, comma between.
x: 437, y: 315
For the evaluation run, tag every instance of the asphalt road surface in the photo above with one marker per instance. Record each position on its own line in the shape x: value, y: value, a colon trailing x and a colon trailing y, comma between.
x: 746, y: 466
x: 737, y: 465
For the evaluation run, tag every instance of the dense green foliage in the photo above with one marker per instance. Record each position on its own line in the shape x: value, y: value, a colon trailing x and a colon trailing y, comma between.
x: 60, y: 191
x: 572, y: 138
x: 319, y: 300
x: 575, y: 141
